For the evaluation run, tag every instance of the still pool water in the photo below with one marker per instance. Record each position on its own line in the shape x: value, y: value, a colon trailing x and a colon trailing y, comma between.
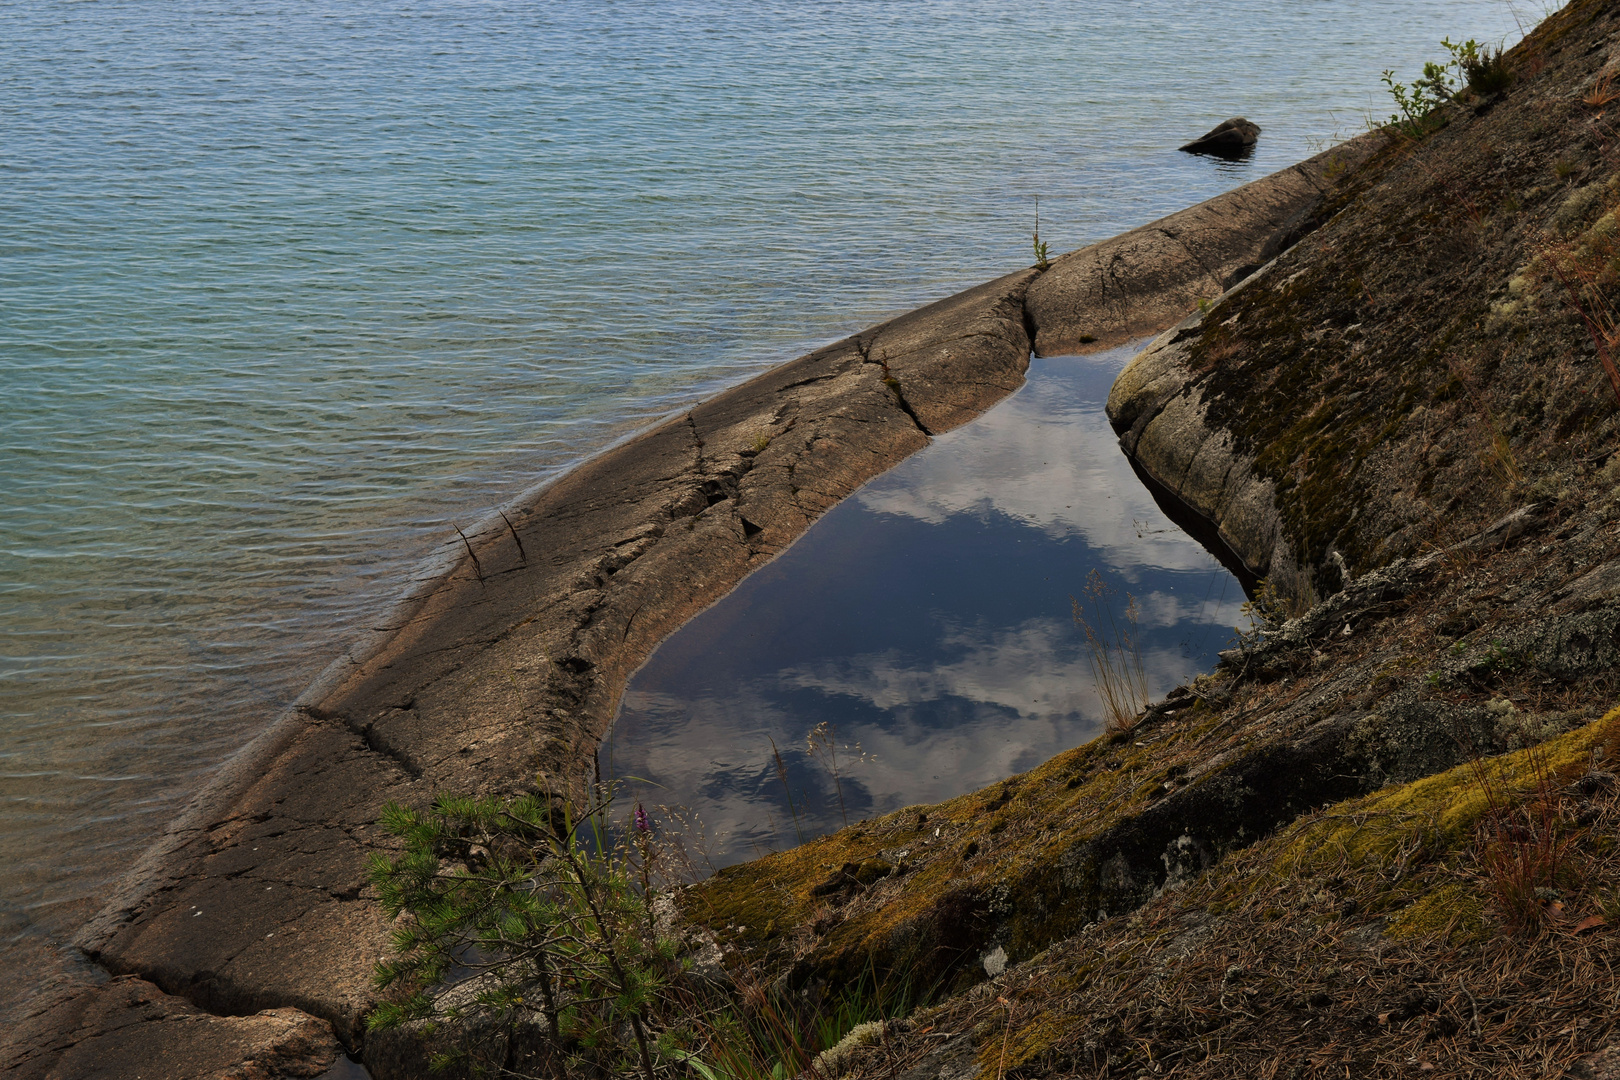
x: 287, y: 289
x: 925, y: 628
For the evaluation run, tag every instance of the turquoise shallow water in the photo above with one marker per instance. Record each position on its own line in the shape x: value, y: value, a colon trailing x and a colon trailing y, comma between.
x: 288, y: 288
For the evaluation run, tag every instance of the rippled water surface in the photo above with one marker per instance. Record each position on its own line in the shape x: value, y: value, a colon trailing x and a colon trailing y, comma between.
x: 288, y: 288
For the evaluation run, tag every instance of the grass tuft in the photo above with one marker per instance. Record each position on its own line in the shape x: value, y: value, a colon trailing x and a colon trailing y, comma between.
x: 1114, y: 653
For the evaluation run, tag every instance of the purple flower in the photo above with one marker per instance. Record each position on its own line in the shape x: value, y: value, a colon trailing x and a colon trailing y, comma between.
x: 641, y: 820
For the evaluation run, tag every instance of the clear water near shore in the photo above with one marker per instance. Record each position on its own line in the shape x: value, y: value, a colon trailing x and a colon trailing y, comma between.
x: 286, y: 289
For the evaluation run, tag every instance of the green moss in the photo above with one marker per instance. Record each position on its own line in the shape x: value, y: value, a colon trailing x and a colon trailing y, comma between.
x: 998, y: 860
x: 1438, y: 813
x: 1453, y: 911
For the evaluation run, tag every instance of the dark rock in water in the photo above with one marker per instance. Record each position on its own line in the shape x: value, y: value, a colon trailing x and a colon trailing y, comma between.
x: 1230, y: 138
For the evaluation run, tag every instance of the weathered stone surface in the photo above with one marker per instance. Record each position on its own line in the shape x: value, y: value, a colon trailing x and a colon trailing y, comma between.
x: 128, y: 1028
x: 1157, y: 405
x: 1229, y: 138
x: 263, y: 909
x: 1141, y: 281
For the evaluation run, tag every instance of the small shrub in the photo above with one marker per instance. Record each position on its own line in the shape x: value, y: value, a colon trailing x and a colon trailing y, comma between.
x: 1471, y: 68
x: 1266, y: 613
x: 530, y: 942
x: 522, y: 942
x: 1484, y: 70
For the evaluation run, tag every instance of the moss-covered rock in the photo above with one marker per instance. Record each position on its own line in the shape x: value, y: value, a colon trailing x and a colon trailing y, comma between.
x: 1366, y: 937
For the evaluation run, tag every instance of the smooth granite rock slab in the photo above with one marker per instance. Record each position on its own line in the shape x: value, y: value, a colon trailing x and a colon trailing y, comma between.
x: 1157, y: 406
x: 264, y: 909
x: 128, y: 1029
x: 1143, y: 280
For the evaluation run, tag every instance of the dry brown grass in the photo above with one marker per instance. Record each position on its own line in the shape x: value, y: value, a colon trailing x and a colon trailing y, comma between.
x: 1602, y: 93
x: 1587, y: 278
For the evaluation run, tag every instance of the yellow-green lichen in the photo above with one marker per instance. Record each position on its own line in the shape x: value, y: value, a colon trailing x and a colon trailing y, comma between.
x: 992, y: 854
x: 1439, y: 811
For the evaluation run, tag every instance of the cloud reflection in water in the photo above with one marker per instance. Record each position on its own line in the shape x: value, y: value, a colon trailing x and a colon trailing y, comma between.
x: 927, y: 619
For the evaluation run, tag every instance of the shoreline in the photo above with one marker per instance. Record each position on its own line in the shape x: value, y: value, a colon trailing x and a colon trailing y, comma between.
x: 507, y: 660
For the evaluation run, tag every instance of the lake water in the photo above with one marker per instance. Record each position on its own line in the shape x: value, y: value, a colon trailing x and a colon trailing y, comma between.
x: 919, y: 641
x: 287, y: 289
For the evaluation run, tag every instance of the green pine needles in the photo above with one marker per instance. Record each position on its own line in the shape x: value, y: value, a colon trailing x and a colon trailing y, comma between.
x: 526, y: 948
x: 533, y: 943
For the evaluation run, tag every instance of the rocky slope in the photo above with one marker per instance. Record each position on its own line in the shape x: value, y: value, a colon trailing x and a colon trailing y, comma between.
x: 1303, y: 864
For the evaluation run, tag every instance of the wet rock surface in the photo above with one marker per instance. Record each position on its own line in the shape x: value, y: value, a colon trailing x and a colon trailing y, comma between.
x: 1229, y: 139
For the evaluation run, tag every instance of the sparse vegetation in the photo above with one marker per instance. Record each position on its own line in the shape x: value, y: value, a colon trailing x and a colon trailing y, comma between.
x: 1471, y: 69
x: 1114, y: 653
x: 529, y: 943
x: 822, y: 746
x: 525, y: 942
x: 1587, y: 269
x: 1041, y: 261
x: 1363, y: 940
x: 1483, y: 69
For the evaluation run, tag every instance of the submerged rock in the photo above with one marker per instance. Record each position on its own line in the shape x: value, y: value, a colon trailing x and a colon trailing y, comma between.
x: 1229, y: 138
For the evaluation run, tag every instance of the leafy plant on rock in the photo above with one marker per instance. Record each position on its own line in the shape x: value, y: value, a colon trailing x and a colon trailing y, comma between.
x: 1472, y: 67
